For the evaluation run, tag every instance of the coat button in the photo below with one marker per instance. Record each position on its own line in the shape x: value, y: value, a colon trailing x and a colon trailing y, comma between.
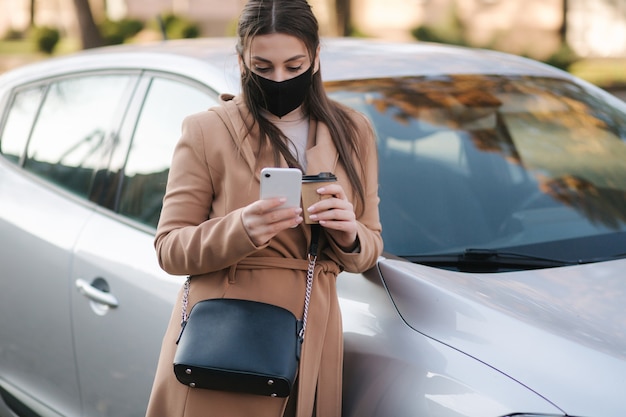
x: 192, y: 384
x: 188, y: 371
x: 270, y: 382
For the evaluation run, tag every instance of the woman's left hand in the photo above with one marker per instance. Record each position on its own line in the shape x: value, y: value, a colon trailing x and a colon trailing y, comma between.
x: 336, y: 214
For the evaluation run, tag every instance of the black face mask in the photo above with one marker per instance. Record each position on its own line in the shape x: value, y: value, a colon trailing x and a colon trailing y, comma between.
x: 281, y: 97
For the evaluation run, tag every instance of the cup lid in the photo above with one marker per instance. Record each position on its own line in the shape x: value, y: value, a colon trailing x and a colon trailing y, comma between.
x: 322, y: 176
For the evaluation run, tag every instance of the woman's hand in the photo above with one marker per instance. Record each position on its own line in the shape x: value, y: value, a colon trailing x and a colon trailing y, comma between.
x: 336, y: 214
x: 262, y: 220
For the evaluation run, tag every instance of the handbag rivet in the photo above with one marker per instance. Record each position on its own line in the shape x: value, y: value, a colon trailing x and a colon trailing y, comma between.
x: 192, y: 384
x: 188, y: 371
x: 270, y: 382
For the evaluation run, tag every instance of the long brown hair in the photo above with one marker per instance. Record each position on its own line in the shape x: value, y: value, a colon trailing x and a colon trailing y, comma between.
x: 295, y: 18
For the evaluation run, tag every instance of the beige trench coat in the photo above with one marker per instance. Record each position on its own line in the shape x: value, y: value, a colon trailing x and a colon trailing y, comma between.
x: 214, y: 174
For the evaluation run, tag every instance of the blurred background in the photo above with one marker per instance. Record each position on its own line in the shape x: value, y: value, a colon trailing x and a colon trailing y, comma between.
x: 584, y: 37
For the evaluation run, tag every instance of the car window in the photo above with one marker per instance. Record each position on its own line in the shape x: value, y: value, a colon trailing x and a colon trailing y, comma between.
x: 19, y: 122
x: 494, y: 162
x: 76, y: 129
x: 158, y: 128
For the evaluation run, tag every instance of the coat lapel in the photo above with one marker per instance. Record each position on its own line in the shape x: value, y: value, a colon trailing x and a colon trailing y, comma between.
x: 243, y: 130
x: 246, y: 136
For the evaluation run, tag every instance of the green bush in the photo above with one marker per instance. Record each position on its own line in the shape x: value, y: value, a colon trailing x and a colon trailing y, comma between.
x: 184, y: 30
x: 450, y: 29
x: 115, y: 32
x: 46, y: 38
x: 451, y: 35
x: 177, y: 27
x: 426, y: 34
x: 13, y: 35
x: 563, y: 57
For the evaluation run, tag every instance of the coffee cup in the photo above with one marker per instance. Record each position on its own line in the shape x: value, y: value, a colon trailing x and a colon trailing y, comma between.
x: 310, y: 196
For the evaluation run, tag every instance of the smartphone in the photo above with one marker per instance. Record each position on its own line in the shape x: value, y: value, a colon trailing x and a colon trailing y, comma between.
x: 282, y: 182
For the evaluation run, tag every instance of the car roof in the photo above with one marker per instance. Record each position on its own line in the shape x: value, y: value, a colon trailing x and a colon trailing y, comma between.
x: 215, y: 59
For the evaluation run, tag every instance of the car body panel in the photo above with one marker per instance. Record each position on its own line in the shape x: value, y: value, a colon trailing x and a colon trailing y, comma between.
x: 34, y: 301
x: 402, y: 362
x: 552, y: 318
x: 117, y: 344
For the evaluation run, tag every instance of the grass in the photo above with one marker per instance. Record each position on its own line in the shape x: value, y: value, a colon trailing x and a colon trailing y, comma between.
x: 26, y: 47
x: 605, y: 72
x: 16, y: 47
x: 14, y: 53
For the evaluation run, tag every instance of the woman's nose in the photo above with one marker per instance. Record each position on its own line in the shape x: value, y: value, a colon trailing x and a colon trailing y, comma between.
x: 280, y: 75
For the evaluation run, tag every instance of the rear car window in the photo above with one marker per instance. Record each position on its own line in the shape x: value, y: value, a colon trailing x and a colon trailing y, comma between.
x: 19, y: 122
x: 158, y: 129
x: 76, y: 129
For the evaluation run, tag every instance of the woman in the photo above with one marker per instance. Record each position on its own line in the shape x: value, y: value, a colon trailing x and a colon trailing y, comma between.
x: 214, y: 228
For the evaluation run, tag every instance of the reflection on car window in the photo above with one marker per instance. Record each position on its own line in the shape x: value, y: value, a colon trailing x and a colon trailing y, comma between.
x: 492, y: 161
x: 76, y: 129
x: 19, y: 122
x: 157, y: 132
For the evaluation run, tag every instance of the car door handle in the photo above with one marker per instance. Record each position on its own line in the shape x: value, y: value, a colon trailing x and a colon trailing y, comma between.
x: 96, y: 294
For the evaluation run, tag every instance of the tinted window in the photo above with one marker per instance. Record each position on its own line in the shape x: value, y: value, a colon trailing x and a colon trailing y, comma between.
x: 158, y: 129
x: 19, y: 122
x: 76, y: 129
x: 496, y: 162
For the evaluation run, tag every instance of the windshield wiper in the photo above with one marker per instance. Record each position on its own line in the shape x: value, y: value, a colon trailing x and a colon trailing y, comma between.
x: 488, y: 260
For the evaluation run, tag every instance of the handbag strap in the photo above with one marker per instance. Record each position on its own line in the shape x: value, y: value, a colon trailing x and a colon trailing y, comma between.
x: 311, y: 257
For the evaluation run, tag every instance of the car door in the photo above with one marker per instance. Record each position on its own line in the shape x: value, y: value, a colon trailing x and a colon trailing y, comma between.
x: 122, y: 299
x: 56, y: 137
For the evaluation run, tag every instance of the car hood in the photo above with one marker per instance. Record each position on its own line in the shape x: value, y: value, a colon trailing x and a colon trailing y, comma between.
x: 561, y: 332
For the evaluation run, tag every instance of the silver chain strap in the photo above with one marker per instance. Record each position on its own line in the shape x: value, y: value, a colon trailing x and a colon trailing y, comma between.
x: 184, y: 314
x: 307, y: 294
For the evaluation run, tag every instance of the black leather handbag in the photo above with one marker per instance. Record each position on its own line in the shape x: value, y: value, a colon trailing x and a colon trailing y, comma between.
x: 241, y: 345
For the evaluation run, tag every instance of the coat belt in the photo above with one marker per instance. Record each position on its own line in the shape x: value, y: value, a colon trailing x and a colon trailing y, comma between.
x: 284, y: 263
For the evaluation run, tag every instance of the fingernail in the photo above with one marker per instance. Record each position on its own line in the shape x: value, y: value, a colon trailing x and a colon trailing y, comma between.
x: 298, y: 221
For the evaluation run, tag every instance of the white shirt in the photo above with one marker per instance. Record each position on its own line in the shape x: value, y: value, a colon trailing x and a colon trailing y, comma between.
x: 295, y: 126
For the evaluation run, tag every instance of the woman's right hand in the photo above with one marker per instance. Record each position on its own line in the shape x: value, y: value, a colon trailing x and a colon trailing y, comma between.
x: 262, y: 220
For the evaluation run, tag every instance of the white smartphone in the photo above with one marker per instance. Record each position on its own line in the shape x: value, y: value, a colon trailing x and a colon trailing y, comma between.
x: 282, y: 182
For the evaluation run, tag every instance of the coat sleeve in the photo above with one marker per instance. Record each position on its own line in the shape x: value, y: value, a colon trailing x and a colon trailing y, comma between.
x: 187, y: 241
x: 370, y: 242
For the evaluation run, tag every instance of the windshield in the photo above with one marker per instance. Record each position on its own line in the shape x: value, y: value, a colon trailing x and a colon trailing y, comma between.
x: 496, y: 162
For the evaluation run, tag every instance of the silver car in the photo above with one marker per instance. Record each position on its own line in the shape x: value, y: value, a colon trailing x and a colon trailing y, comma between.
x: 502, y: 290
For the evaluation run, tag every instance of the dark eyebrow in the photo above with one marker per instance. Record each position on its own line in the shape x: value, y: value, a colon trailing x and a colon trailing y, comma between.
x: 293, y: 58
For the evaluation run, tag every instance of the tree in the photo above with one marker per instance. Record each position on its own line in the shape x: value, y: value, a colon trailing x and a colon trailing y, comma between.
x: 31, y: 17
x: 89, y: 34
x: 563, y: 28
x: 344, y: 17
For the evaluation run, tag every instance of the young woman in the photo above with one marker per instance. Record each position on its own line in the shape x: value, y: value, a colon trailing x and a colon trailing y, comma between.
x: 215, y: 228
